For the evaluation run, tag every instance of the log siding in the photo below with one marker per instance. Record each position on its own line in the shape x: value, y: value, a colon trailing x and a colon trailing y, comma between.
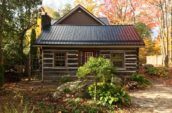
x: 74, y: 60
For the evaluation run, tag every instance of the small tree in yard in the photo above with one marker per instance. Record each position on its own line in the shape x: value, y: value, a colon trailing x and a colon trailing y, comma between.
x: 100, y: 68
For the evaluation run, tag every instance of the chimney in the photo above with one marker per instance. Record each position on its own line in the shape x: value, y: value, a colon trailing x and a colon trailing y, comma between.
x: 45, y: 21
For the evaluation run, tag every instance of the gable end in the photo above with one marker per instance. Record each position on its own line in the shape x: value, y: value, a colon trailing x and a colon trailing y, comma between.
x: 79, y: 16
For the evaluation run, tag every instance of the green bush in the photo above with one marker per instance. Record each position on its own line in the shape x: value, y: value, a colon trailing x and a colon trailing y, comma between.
x: 148, y: 66
x: 100, y: 68
x: 65, y: 79
x: 66, y: 90
x: 140, y: 79
x: 1, y: 75
x: 150, y: 69
x: 162, y: 72
x: 109, y: 94
x: 156, y: 71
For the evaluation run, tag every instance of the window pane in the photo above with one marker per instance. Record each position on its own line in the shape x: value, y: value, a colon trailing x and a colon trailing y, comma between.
x: 59, y: 59
x: 118, y: 59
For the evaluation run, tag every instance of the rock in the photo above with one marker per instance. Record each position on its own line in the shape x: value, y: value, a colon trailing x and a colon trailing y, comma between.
x: 73, y: 86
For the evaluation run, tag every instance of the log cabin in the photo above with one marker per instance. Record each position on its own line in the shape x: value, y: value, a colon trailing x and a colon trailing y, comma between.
x: 70, y: 41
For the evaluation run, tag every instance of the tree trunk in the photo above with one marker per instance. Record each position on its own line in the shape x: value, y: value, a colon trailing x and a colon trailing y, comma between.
x: 1, y: 43
x: 2, y: 19
x: 23, y: 61
x: 30, y: 66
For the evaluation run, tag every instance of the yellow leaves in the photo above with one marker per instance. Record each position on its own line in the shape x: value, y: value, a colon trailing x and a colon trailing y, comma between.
x: 152, y: 47
x: 90, y: 5
x: 38, y: 27
x: 51, y: 12
x: 28, y: 35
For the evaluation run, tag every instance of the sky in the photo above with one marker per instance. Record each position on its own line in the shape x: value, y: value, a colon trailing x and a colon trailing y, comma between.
x: 56, y: 4
x: 59, y: 4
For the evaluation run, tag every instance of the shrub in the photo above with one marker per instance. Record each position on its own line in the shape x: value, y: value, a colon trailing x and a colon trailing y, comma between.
x: 109, y: 94
x: 100, y: 68
x: 140, y: 79
x: 146, y: 66
x: 162, y: 71
x: 157, y: 71
x: 65, y: 79
x: 1, y: 75
x: 66, y: 90
x: 151, y: 70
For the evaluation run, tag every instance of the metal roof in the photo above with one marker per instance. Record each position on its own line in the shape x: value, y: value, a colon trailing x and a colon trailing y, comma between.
x: 114, y: 35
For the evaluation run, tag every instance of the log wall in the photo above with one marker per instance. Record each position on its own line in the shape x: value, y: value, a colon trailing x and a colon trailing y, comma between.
x: 73, y: 60
x: 130, y: 59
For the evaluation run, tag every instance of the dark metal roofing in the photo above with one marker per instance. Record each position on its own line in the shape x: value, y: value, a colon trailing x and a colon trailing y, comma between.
x: 90, y: 35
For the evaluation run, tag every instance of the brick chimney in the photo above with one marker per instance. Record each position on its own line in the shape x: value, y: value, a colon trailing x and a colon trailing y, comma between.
x: 45, y: 21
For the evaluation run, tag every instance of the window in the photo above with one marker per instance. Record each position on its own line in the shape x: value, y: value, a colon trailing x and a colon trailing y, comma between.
x: 60, y: 59
x: 117, y: 59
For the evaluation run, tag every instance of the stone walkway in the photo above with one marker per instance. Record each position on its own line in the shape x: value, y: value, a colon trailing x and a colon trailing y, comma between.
x: 157, y: 99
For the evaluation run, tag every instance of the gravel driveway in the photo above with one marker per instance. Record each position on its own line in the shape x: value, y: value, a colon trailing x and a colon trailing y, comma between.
x: 157, y: 99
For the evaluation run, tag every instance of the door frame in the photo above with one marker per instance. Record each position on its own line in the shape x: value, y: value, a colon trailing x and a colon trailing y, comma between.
x: 82, y: 55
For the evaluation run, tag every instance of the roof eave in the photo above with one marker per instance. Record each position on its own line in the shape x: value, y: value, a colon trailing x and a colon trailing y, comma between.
x: 88, y: 46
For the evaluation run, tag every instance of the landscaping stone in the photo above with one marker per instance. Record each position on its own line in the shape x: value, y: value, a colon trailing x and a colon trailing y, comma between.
x: 72, y: 86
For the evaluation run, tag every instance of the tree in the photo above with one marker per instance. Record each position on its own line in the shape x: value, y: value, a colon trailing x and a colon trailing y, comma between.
x: 129, y: 12
x: 16, y: 18
x: 24, y: 19
x: 2, y: 4
x: 90, y: 5
x: 100, y: 68
x: 51, y: 12
x: 3, y: 20
x: 151, y: 46
x: 66, y: 9
x: 143, y: 30
x: 164, y: 8
x: 33, y: 52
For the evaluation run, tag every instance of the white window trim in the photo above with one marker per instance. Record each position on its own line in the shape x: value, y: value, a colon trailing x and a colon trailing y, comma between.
x: 112, y: 52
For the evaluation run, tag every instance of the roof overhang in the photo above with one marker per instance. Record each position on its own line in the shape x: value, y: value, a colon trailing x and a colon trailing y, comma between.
x: 91, y: 46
